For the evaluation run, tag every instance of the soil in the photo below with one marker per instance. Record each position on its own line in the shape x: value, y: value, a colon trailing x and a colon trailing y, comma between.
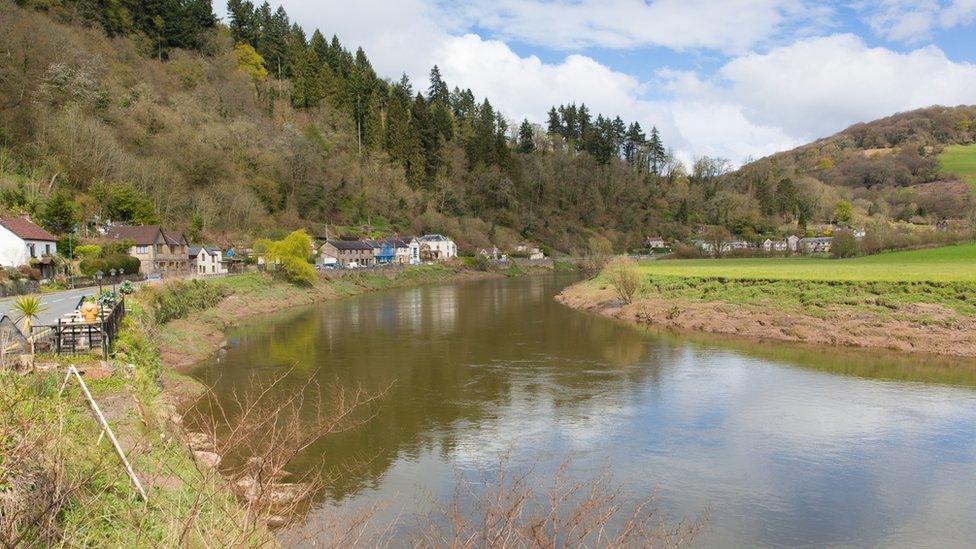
x: 838, y: 328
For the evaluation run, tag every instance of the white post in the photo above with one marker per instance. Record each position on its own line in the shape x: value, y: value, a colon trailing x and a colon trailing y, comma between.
x: 105, y: 428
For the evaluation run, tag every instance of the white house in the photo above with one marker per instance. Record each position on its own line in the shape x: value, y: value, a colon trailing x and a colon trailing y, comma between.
x: 436, y: 247
x: 206, y: 260
x: 770, y: 245
x: 655, y: 242
x: 413, y: 251
x: 530, y: 250
x: 21, y: 240
x: 793, y: 242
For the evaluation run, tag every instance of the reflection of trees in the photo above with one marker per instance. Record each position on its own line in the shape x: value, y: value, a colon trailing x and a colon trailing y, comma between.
x: 456, y: 353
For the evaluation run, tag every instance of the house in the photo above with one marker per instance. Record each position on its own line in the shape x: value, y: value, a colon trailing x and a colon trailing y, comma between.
x: 655, y: 242
x: 815, y: 245
x: 770, y: 245
x: 414, y: 251
x: 401, y: 249
x: 942, y: 225
x: 434, y: 247
x: 793, y: 242
x: 490, y: 253
x: 383, y: 252
x: 206, y: 260
x: 348, y: 253
x: 23, y: 242
x: 158, y: 250
x: 738, y: 244
x: 530, y: 251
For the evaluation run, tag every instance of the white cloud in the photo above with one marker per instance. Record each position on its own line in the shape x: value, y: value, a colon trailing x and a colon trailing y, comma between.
x: 913, y: 21
x: 755, y: 104
x: 729, y: 26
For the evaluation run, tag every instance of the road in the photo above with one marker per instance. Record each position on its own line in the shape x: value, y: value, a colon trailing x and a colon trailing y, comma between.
x: 58, y: 304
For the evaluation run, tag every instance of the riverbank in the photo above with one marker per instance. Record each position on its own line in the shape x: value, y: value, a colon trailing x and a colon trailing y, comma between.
x: 57, y: 486
x: 791, y: 301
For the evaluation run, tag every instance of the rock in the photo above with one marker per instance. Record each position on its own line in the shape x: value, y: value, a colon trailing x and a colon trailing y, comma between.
x: 209, y: 459
x: 276, y: 521
x: 273, y: 494
x: 199, y: 441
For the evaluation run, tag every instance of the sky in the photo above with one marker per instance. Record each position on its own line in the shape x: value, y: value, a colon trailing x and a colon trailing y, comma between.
x: 736, y: 79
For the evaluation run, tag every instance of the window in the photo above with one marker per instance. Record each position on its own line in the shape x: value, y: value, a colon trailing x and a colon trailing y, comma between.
x: 30, y: 248
x: 47, y: 249
x: 142, y: 249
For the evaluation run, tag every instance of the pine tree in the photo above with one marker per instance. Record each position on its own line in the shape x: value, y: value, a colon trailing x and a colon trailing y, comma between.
x: 633, y: 143
x: 526, y: 137
x: 307, y: 89
x: 437, y: 92
x: 656, y: 151
x: 555, y: 123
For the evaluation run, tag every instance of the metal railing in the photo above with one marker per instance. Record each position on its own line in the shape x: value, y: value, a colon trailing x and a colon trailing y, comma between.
x: 70, y: 338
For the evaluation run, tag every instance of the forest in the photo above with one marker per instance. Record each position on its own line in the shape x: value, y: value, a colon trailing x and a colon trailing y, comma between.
x: 157, y: 111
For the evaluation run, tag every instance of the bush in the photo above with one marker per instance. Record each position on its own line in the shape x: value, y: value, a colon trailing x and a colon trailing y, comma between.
x: 622, y: 274
x: 90, y: 266
x: 290, y: 257
x: 179, y: 298
x: 843, y: 245
x: 87, y: 251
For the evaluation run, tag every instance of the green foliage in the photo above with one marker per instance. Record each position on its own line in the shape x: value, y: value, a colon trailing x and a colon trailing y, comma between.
x: 59, y: 214
x: 843, y: 245
x: 289, y: 257
x: 179, y: 298
x: 250, y: 61
x: 88, y: 251
x: 124, y: 203
x: 105, y: 263
x: 26, y: 310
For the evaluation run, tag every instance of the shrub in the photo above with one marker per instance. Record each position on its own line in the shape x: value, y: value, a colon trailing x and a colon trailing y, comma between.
x: 623, y: 276
x: 90, y: 266
x: 843, y: 245
x: 290, y: 257
x: 179, y: 298
x: 88, y: 251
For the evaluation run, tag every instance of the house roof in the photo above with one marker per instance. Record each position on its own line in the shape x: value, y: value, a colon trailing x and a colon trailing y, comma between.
x: 350, y: 245
x: 195, y: 250
x: 144, y: 235
x: 26, y: 229
x: 434, y: 238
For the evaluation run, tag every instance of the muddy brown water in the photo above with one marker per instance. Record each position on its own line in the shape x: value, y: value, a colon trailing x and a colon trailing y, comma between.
x: 786, y: 445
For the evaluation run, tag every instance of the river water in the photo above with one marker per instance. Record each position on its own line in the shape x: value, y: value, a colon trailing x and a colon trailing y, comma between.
x: 783, y: 445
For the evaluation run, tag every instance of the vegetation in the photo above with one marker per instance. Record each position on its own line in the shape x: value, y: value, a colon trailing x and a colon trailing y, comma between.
x: 623, y: 276
x: 944, y: 264
x: 178, y: 298
x: 289, y: 257
x: 960, y: 160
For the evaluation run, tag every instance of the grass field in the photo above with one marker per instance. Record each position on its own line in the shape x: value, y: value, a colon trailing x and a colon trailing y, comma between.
x: 960, y: 160
x: 946, y: 264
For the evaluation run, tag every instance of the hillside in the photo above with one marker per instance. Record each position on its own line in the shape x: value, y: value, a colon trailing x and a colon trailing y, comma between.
x: 910, y: 166
x: 244, y: 130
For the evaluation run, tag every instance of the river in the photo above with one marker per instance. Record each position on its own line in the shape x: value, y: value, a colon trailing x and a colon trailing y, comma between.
x: 783, y: 445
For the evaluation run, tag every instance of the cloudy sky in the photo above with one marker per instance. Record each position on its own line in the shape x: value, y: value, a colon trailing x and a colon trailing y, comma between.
x: 732, y: 78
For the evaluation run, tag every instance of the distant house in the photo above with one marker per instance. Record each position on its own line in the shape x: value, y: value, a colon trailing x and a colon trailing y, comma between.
x: 793, y: 242
x: 401, y: 249
x: 206, y: 260
x: 383, y: 251
x: 738, y: 244
x: 655, y: 242
x: 770, y: 245
x: 158, y: 250
x: 816, y: 245
x: 435, y: 247
x: 413, y: 248
x: 21, y: 240
x: 490, y: 253
x: 349, y: 253
x: 530, y: 251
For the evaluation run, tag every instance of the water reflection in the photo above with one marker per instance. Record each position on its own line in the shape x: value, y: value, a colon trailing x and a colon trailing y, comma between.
x: 785, y: 453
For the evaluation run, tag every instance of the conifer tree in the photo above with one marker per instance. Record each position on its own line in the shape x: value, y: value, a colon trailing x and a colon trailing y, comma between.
x: 526, y: 137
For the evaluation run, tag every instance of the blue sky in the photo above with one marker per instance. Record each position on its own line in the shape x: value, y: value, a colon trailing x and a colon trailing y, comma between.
x: 734, y: 78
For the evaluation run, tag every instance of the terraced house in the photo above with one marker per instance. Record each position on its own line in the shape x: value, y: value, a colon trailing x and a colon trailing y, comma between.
x: 159, y: 251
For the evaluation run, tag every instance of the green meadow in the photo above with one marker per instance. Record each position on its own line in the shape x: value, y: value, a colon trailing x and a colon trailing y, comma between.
x: 945, y: 264
x: 961, y: 161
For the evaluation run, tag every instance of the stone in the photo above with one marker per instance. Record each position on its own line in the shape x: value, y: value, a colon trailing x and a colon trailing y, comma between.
x: 199, y: 441
x: 209, y: 459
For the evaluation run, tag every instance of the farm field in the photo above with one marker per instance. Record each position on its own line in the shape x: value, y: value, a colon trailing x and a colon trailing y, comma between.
x: 961, y: 161
x: 945, y: 264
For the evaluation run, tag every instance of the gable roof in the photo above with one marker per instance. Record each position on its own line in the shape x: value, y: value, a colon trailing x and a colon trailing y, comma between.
x: 211, y: 250
x: 350, y: 245
x: 26, y: 229
x: 144, y: 235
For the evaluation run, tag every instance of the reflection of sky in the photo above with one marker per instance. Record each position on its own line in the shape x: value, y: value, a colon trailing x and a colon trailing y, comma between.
x: 784, y: 456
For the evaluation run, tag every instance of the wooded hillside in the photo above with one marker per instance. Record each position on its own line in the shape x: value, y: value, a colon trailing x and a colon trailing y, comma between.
x: 155, y: 111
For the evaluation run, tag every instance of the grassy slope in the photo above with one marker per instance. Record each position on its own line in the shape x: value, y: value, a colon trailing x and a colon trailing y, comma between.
x: 961, y: 161
x: 946, y: 264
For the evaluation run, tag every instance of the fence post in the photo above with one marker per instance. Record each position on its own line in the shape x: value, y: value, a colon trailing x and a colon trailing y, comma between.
x: 57, y: 334
x: 105, y: 428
